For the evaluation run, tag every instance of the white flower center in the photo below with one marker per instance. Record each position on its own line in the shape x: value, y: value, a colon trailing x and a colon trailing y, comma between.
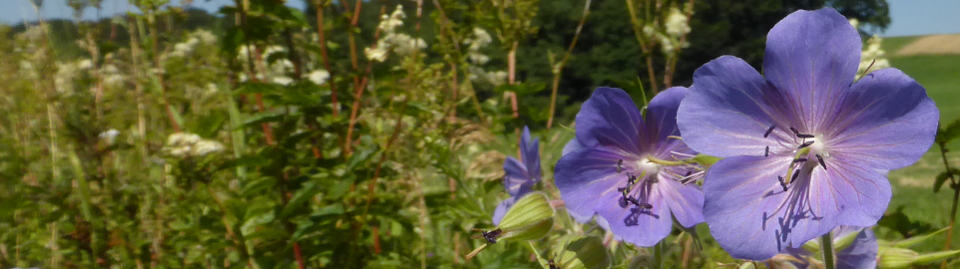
x: 648, y: 167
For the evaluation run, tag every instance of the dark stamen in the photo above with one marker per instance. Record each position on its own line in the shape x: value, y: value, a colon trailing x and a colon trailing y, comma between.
x: 795, y: 132
x: 820, y: 159
x: 795, y: 174
x: 805, y: 135
x: 782, y: 183
x: 770, y: 130
x: 799, y: 160
x: 805, y: 144
x: 766, y: 151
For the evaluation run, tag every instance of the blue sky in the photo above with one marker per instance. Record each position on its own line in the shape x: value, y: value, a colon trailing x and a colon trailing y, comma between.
x: 909, y: 17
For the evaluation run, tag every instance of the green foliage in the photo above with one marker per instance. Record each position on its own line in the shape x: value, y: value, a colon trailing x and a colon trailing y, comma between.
x: 147, y: 145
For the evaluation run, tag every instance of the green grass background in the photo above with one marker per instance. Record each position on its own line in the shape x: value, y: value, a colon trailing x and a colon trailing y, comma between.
x: 913, y: 186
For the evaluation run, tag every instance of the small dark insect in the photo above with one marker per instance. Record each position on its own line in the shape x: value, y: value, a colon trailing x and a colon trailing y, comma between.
x: 770, y: 130
x: 491, y: 236
x: 619, y: 165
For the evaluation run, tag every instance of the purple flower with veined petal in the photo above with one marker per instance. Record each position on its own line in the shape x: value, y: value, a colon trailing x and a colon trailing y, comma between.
x: 520, y: 175
x: 607, y: 169
x: 808, y: 149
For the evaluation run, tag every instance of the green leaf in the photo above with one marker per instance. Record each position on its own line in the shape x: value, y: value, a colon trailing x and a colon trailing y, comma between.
x: 942, y: 178
x: 949, y: 133
x: 307, y: 191
x: 919, y: 239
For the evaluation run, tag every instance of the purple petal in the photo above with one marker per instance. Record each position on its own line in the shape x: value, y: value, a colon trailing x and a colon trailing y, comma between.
x: 571, y: 146
x: 728, y: 111
x: 661, y: 122
x: 517, y: 180
x: 585, y: 175
x: 751, y: 216
x: 863, y: 192
x: 886, y: 120
x: 812, y: 57
x: 685, y: 201
x: 634, y: 225
x: 862, y: 253
x: 502, y: 209
x: 610, y: 117
x: 530, y: 151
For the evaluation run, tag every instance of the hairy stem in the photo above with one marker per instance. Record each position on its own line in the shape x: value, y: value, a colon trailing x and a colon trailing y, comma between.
x: 566, y: 56
x: 956, y: 196
x: 826, y: 243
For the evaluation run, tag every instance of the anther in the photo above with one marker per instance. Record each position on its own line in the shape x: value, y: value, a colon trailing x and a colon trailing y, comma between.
x: 799, y: 160
x: 770, y: 130
x: 820, y: 159
x: 795, y: 132
x: 805, y: 135
x: 766, y: 151
x: 805, y: 144
x: 783, y: 183
x: 795, y: 174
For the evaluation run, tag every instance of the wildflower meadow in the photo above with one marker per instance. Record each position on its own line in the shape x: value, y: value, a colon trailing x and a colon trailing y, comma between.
x: 476, y: 134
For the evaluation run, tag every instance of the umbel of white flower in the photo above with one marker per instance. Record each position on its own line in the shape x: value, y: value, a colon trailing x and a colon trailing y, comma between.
x: 873, y: 56
x: 677, y: 24
x: 318, y: 76
x: 477, y: 41
x: 185, y: 145
x: 400, y: 43
x: 275, y: 72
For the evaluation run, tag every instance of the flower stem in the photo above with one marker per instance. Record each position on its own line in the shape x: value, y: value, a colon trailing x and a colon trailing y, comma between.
x: 956, y: 196
x: 658, y: 254
x: 826, y: 243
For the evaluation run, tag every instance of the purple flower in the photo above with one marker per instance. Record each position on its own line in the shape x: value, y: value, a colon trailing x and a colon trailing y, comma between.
x: 607, y: 169
x: 807, y: 149
x: 861, y: 253
x: 520, y: 176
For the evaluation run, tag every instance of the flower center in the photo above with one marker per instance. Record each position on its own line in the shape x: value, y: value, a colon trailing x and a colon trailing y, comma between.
x: 645, y: 166
x: 810, y: 151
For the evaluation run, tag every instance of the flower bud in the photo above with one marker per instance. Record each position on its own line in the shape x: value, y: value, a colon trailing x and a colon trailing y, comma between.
x: 896, y: 257
x: 530, y: 218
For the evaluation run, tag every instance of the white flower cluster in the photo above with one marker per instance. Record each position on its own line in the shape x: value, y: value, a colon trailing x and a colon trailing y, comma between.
x: 475, y: 58
x: 400, y: 43
x: 67, y: 72
x: 677, y: 24
x: 186, y: 47
x: 319, y: 76
x: 109, y: 136
x: 872, y: 54
x: 186, y: 145
x: 275, y: 71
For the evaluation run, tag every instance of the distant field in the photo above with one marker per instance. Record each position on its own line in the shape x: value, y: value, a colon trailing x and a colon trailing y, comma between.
x: 940, y: 75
